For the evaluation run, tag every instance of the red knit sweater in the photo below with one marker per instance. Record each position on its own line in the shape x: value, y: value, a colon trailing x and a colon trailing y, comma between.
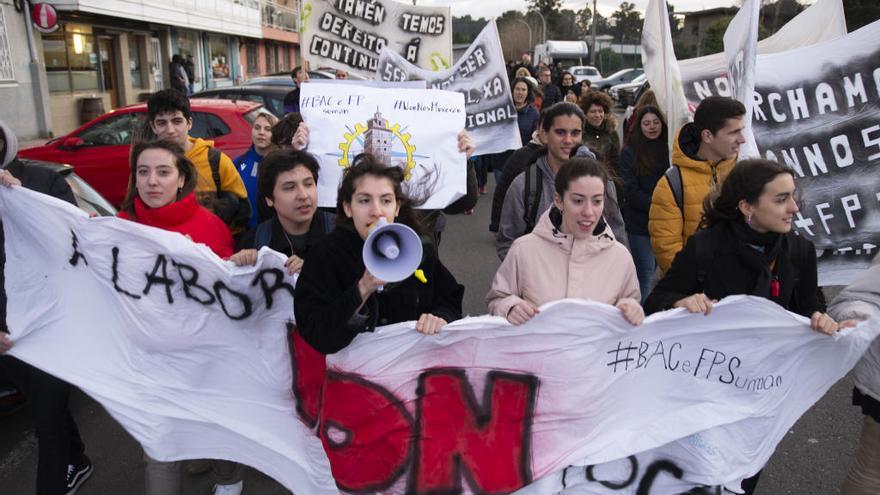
x: 187, y: 217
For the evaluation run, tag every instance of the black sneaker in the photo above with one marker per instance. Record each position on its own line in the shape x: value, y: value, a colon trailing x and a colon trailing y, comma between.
x: 77, y: 474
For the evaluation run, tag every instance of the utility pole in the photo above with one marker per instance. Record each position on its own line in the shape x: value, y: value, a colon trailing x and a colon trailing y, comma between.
x: 593, y: 46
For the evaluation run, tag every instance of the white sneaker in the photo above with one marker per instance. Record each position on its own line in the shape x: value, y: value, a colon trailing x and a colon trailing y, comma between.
x: 229, y: 489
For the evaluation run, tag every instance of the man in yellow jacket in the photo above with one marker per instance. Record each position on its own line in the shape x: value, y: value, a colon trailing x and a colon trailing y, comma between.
x: 704, y: 151
x: 169, y: 116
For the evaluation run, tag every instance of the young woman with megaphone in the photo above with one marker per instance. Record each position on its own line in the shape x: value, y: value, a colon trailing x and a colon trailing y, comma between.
x: 337, y: 296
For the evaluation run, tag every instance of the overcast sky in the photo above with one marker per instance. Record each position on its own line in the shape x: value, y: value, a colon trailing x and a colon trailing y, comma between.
x: 494, y: 8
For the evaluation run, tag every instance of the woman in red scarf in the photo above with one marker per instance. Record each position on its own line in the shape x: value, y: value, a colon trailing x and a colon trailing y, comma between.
x: 161, y: 194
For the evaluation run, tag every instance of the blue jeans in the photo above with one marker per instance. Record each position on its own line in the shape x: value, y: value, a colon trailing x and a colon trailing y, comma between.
x: 643, y: 257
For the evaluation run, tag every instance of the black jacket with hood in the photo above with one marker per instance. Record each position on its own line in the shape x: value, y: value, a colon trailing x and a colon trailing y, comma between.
x: 38, y: 179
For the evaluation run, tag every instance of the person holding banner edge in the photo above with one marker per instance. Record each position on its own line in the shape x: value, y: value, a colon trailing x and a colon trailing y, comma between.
x: 745, y: 246
x: 861, y: 301
x: 336, y: 297
x: 573, y: 241
x: 161, y: 194
x: 62, y: 465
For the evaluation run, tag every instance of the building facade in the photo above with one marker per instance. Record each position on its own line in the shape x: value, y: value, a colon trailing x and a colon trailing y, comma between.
x: 23, y: 86
x: 277, y: 50
x: 111, y: 53
x: 690, y: 37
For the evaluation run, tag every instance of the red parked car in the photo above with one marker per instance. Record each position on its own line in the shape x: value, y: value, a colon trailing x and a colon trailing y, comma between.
x: 98, y: 150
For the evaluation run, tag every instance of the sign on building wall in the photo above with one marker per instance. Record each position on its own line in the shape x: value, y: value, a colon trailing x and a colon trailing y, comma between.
x: 351, y: 33
x: 45, y: 18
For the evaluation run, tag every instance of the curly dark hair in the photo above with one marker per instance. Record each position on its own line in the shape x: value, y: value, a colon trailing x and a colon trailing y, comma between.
x: 284, y: 129
x: 647, y: 151
x: 366, y: 164
x: 596, y: 98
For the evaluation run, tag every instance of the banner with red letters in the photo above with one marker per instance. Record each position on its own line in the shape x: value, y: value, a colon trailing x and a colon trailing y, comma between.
x: 191, y: 355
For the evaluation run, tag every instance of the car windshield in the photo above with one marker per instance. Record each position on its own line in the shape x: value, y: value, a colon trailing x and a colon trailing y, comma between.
x: 88, y: 199
x: 113, y: 130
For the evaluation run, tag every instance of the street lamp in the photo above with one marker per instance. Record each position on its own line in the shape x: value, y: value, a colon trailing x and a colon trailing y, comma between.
x: 544, y: 22
x: 531, y: 47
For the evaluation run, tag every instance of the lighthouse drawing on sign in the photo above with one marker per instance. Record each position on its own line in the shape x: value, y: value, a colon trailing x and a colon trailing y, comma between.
x: 377, y: 139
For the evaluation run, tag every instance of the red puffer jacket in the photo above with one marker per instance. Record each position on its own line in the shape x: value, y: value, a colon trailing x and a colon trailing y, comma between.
x: 187, y: 217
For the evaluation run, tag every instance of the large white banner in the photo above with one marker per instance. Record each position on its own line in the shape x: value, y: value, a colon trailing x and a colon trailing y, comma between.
x: 350, y: 34
x: 186, y: 351
x: 481, y: 76
x: 190, y: 355
x: 740, y: 54
x: 414, y: 129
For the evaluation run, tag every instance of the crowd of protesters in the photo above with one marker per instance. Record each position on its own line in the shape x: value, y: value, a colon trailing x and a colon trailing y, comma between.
x: 575, y: 215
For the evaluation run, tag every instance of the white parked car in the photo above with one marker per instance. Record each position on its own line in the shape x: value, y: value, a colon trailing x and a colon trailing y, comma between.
x: 582, y: 72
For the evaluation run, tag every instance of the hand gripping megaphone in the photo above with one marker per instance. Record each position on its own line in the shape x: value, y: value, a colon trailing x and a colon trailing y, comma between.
x: 392, y: 251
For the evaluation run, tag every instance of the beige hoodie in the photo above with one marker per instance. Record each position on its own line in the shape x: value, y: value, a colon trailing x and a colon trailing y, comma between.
x: 548, y: 265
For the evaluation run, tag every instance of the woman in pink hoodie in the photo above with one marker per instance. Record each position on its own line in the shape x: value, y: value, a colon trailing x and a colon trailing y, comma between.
x: 571, y: 253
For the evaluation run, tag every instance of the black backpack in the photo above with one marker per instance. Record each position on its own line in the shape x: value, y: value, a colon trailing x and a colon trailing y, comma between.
x: 224, y: 204
x: 533, y: 189
x: 673, y: 177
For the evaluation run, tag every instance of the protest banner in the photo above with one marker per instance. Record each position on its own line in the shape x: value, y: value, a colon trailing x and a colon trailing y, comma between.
x: 822, y: 21
x: 481, y: 76
x: 351, y: 33
x: 740, y: 53
x: 190, y: 354
x: 411, y: 128
x: 661, y: 68
x: 816, y: 109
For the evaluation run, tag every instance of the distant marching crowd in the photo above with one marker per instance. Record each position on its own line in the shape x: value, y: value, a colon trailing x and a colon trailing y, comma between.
x: 577, y: 213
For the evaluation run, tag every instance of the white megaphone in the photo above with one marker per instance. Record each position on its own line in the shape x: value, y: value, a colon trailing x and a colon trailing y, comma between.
x: 392, y: 251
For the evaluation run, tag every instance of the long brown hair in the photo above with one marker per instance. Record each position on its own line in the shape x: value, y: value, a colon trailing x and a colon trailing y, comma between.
x: 181, y: 162
x: 647, y: 152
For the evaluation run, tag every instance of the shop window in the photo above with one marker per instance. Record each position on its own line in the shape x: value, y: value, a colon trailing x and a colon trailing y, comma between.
x: 270, y: 58
x: 252, y: 65
x: 286, y: 50
x: 71, y: 60
x: 134, y: 60
x: 188, y: 46
x: 219, y: 46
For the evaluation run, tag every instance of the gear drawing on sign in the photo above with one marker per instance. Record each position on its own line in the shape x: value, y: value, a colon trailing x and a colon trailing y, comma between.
x: 377, y: 140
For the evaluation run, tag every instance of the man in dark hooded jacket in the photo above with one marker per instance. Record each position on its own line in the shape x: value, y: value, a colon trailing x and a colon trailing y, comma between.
x: 62, y: 465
